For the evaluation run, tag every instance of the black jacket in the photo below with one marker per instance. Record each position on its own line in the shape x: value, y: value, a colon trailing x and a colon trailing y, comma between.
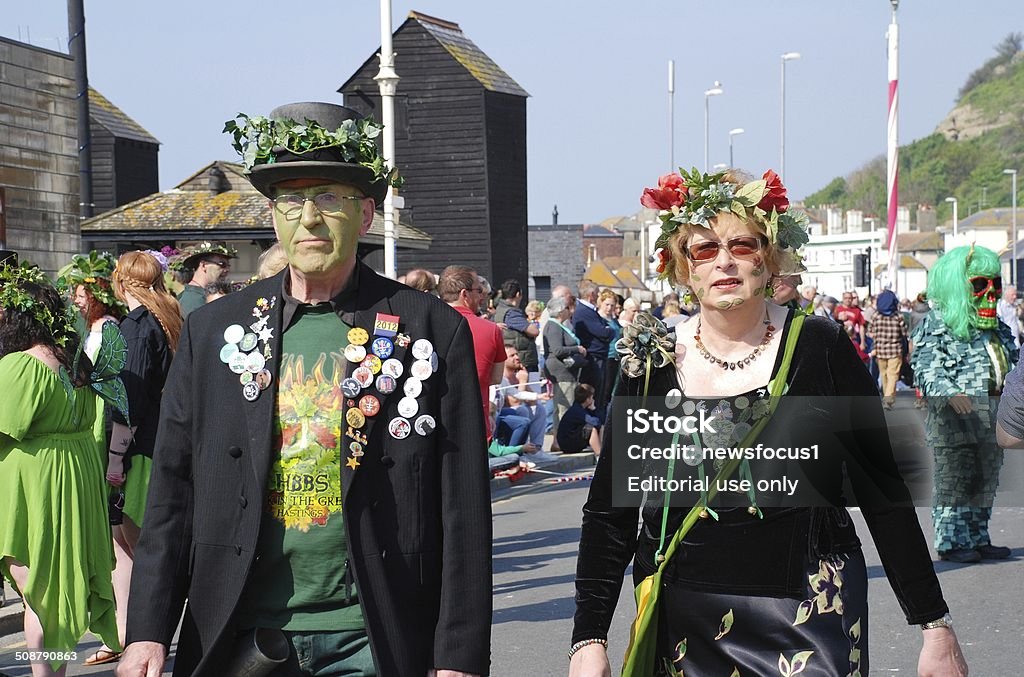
x: 145, y: 371
x: 744, y: 555
x: 417, y: 510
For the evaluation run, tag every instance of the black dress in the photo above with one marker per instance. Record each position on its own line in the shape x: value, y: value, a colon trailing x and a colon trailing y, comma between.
x: 754, y: 595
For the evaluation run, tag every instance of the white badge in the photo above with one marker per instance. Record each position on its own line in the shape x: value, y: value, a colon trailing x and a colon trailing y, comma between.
x: 234, y: 333
x: 408, y: 407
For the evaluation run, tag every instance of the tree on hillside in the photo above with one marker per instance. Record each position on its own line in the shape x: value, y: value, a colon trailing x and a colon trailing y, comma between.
x: 1005, y: 51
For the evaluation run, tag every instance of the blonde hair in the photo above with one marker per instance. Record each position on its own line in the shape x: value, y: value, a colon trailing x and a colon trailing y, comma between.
x: 271, y: 262
x: 607, y: 294
x: 140, y: 275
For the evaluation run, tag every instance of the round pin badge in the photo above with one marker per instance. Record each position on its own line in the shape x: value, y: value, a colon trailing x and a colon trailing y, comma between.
x: 227, y: 351
x: 250, y: 391
x: 673, y: 398
x: 408, y: 406
x: 356, y: 449
x: 234, y: 333
x: 248, y: 342
x: 245, y: 377
x: 264, y: 378
x: 421, y: 349
x: 237, y: 362
x: 392, y: 367
x: 355, y: 418
x: 425, y: 425
x: 433, y: 362
x: 364, y: 376
x: 355, y: 353
x: 358, y: 336
x: 421, y: 369
x: 255, y: 362
x: 369, y: 405
x: 373, y: 363
x: 386, y: 384
x: 382, y: 347
x: 412, y: 387
x: 399, y: 428
x: 350, y: 387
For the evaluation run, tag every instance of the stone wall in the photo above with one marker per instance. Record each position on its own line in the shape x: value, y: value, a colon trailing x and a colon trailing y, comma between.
x: 554, y: 253
x: 39, y: 154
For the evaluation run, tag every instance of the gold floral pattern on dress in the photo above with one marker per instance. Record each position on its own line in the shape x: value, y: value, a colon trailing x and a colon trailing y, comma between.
x: 828, y: 584
x: 725, y: 626
x: 854, y: 635
x: 795, y: 665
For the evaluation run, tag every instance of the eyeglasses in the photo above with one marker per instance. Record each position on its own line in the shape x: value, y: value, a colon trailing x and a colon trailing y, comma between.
x: 981, y: 285
x: 478, y: 290
x: 739, y: 247
x: 223, y: 263
x: 290, y: 206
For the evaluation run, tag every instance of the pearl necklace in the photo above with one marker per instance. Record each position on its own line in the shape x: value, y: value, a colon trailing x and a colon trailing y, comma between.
x: 768, y: 333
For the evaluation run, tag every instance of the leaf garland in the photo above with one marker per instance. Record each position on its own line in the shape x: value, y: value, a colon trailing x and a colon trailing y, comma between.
x: 14, y: 297
x: 256, y: 137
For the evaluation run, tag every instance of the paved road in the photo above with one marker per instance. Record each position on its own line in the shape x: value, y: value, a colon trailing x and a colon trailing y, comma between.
x: 536, y: 532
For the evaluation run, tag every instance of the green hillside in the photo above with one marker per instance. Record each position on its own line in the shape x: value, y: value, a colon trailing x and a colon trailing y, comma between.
x: 964, y: 158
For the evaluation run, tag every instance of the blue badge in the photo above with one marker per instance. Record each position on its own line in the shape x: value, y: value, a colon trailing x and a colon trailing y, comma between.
x: 382, y: 347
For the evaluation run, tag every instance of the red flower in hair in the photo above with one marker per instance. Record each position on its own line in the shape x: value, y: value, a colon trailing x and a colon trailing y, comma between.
x: 775, y: 195
x: 671, y: 192
x: 664, y: 256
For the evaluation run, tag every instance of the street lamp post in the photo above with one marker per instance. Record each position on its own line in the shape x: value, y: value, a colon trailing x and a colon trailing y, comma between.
x: 1013, y: 220
x: 732, y: 133
x: 708, y: 93
x: 788, y: 56
x: 955, y: 220
x: 387, y: 81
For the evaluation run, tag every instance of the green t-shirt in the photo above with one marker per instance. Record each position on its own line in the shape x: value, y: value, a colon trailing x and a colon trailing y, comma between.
x: 190, y: 298
x: 299, y: 581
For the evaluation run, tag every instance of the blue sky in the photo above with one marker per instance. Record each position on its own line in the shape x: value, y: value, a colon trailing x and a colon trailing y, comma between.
x: 596, y: 72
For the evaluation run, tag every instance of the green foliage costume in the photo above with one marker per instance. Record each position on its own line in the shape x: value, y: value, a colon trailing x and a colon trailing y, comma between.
x: 961, y: 348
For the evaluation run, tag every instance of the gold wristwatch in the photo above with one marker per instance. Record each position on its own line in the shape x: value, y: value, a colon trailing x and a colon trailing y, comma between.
x: 945, y: 622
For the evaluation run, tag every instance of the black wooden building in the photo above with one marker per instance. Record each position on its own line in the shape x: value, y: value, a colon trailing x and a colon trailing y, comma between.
x: 460, y: 143
x: 124, y: 156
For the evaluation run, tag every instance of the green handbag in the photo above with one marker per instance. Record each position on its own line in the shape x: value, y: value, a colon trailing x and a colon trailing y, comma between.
x: 640, y: 659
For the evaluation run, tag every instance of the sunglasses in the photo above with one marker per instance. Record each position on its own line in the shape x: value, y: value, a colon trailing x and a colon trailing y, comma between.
x: 739, y: 247
x: 981, y: 285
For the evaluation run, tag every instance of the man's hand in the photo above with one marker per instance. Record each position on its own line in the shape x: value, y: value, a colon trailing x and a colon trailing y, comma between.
x: 941, y: 655
x: 961, y: 404
x: 142, y: 659
x: 449, y: 673
x: 522, y: 377
x: 529, y: 448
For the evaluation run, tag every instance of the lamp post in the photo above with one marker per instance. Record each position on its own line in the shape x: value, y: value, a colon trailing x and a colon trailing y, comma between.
x: 732, y: 133
x: 788, y: 56
x: 387, y: 81
x: 671, y: 116
x: 708, y: 93
x: 955, y: 220
x: 1013, y: 220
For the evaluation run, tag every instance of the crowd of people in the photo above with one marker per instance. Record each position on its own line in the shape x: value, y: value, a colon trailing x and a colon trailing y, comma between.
x: 146, y: 472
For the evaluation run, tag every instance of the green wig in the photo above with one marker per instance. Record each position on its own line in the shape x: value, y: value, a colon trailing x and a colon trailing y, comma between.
x: 950, y: 290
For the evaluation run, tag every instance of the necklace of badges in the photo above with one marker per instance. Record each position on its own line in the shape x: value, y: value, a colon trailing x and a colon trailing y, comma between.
x: 247, y: 352
x: 378, y: 375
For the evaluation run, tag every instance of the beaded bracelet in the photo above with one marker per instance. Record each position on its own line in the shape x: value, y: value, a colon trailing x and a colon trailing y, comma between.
x: 586, y: 642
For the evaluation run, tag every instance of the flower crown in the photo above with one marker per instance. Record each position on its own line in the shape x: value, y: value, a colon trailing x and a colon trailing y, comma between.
x: 94, y: 272
x: 256, y: 137
x: 696, y: 198
x: 14, y: 297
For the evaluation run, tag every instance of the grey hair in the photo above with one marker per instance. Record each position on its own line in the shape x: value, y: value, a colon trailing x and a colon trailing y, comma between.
x: 556, y: 305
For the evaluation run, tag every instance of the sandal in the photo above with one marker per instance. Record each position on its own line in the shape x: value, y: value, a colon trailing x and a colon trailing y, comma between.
x: 102, y: 656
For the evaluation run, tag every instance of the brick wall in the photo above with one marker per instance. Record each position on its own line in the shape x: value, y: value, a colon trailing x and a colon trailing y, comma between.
x: 553, y: 253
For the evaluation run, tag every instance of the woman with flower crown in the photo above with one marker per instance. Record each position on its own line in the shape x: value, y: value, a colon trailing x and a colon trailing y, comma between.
x: 54, y: 541
x: 769, y: 588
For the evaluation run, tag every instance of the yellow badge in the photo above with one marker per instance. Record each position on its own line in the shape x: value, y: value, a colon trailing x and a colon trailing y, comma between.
x: 358, y: 336
x: 355, y: 418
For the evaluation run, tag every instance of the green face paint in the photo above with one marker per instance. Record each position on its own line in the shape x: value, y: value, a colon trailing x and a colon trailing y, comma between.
x: 316, y: 242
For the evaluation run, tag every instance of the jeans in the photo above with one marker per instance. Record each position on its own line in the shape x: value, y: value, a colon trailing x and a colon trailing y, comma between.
x: 344, y: 653
x: 520, y: 425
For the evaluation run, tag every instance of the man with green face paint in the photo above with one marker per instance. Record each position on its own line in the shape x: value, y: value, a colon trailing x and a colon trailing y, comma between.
x: 961, y: 356
x: 319, y: 484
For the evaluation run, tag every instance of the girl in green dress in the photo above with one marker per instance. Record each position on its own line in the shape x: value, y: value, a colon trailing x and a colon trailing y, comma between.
x: 54, y: 541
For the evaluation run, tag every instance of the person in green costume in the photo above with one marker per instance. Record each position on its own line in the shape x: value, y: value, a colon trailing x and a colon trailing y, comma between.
x: 54, y: 540
x: 961, y: 356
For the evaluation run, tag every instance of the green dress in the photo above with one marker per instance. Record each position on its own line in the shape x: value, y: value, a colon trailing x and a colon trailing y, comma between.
x: 53, y: 512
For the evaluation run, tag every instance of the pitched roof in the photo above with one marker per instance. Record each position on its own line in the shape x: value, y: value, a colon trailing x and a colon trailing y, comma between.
x: 592, y: 230
x: 924, y: 241
x: 115, y: 120
x: 629, y: 279
x: 600, y: 274
x: 992, y: 218
x: 463, y: 50
x: 239, y: 210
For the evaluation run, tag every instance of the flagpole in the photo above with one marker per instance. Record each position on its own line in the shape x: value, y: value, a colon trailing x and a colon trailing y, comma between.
x: 893, y: 154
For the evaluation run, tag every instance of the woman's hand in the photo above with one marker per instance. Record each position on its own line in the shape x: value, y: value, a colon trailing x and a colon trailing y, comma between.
x: 941, y: 655
x: 115, y: 469
x: 961, y: 404
x: 590, y: 661
x: 583, y: 351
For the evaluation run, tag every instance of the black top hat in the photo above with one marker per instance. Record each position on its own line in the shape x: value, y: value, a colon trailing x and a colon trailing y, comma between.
x: 324, y: 163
